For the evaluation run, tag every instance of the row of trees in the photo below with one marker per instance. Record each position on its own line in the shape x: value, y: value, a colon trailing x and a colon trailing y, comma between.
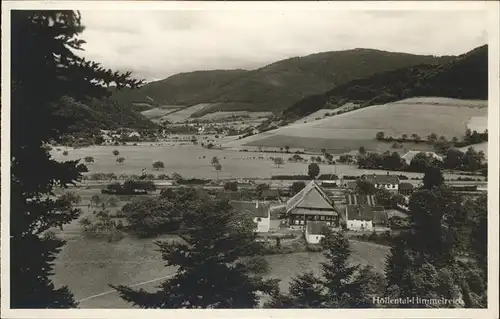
x: 454, y: 159
x: 471, y: 137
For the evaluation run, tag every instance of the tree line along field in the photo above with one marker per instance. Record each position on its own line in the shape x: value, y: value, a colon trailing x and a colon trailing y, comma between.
x: 195, y: 162
x: 350, y: 130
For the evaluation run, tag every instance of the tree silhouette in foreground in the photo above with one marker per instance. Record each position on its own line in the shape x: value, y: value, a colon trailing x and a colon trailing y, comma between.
x: 428, y: 259
x: 44, y: 69
x: 209, y: 273
x: 340, y: 285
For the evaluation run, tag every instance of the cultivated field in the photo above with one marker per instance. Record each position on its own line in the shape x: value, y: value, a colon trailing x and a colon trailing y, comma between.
x: 194, y: 161
x: 217, y: 116
x: 184, y: 114
x: 319, y: 114
x: 160, y: 111
x: 348, y: 131
x: 478, y: 147
x: 478, y: 123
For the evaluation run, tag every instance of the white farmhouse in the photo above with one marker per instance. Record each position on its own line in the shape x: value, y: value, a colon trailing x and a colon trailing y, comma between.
x: 134, y: 134
x: 364, y: 217
x: 315, y: 231
x: 388, y: 182
x: 260, y: 212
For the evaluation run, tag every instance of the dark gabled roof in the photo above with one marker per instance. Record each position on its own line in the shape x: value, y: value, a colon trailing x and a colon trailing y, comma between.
x: 356, y: 212
x: 316, y: 227
x: 278, y: 209
x: 351, y: 184
x: 228, y: 195
x: 270, y: 193
x: 311, y: 197
x: 355, y: 199
x: 382, y: 179
x: 406, y: 186
x: 255, y: 209
x: 379, y: 215
x: 376, y: 214
x: 328, y: 177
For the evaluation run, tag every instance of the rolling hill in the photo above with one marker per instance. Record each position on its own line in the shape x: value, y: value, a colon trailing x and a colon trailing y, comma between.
x: 351, y: 130
x: 99, y: 114
x: 274, y: 87
x: 180, y: 89
x: 464, y: 77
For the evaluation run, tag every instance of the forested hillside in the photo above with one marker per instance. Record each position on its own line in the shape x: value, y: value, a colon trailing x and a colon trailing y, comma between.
x: 464, y: 77
x: 99, y: 114
x: 274, y: 87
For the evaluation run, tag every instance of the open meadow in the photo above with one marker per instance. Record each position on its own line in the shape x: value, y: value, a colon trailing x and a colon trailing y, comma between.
x: 351, y: 130
x: 183, y: 114
x: 192, y: 161
x: 158, y: 112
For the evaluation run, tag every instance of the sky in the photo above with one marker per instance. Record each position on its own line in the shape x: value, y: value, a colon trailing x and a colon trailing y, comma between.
x: 157, y: 44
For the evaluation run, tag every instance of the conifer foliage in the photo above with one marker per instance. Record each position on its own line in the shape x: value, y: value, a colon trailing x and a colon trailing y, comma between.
x: 44, y: 69
x: 209, y: 274
x: 340, y: 285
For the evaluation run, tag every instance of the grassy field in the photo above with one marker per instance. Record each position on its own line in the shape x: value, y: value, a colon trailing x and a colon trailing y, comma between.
x: 184, y: 114
x: 478, y: 123
x: 158, y: 112
x: 348, y: 131
x: 478, y: 147
x: 223, y: 115
x: 194, y: 161
x: 88, y: 266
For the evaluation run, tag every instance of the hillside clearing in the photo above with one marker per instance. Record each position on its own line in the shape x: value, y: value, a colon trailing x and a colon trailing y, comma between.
x: 348, y: 131
x: 160, y: 111
x: 183, y: 114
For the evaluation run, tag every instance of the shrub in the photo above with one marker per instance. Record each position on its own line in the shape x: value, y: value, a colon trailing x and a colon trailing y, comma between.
x: 65, y: 153
x: 103, y: 227
x: 163, y: 177
x: 158, y: 165
x: 257, y: 265
x: 232, y: 186
x: 314, y: 248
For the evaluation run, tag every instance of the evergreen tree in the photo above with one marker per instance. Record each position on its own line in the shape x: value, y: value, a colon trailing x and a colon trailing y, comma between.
x: 209, y: 273
x: 313, y: 170
x: 425, y: 261
x: 44, y: 69
x: 433, y: 177
x: 341, y: 284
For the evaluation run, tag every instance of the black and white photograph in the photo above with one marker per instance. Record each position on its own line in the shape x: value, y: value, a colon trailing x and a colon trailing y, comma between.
x: 239, y: 155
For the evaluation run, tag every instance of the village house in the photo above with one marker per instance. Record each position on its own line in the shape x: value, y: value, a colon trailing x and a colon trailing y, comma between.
x: 387, y: 182
x: 270, y: 194
x: 311, y: 204
x: 260, y: 211
x: 315, y: 231
x: 134, y: 134
x: 350, y: 185
x: 408, y: 157
x: 364, y: 217
x: 329, y: 180
x: 406, y: 188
